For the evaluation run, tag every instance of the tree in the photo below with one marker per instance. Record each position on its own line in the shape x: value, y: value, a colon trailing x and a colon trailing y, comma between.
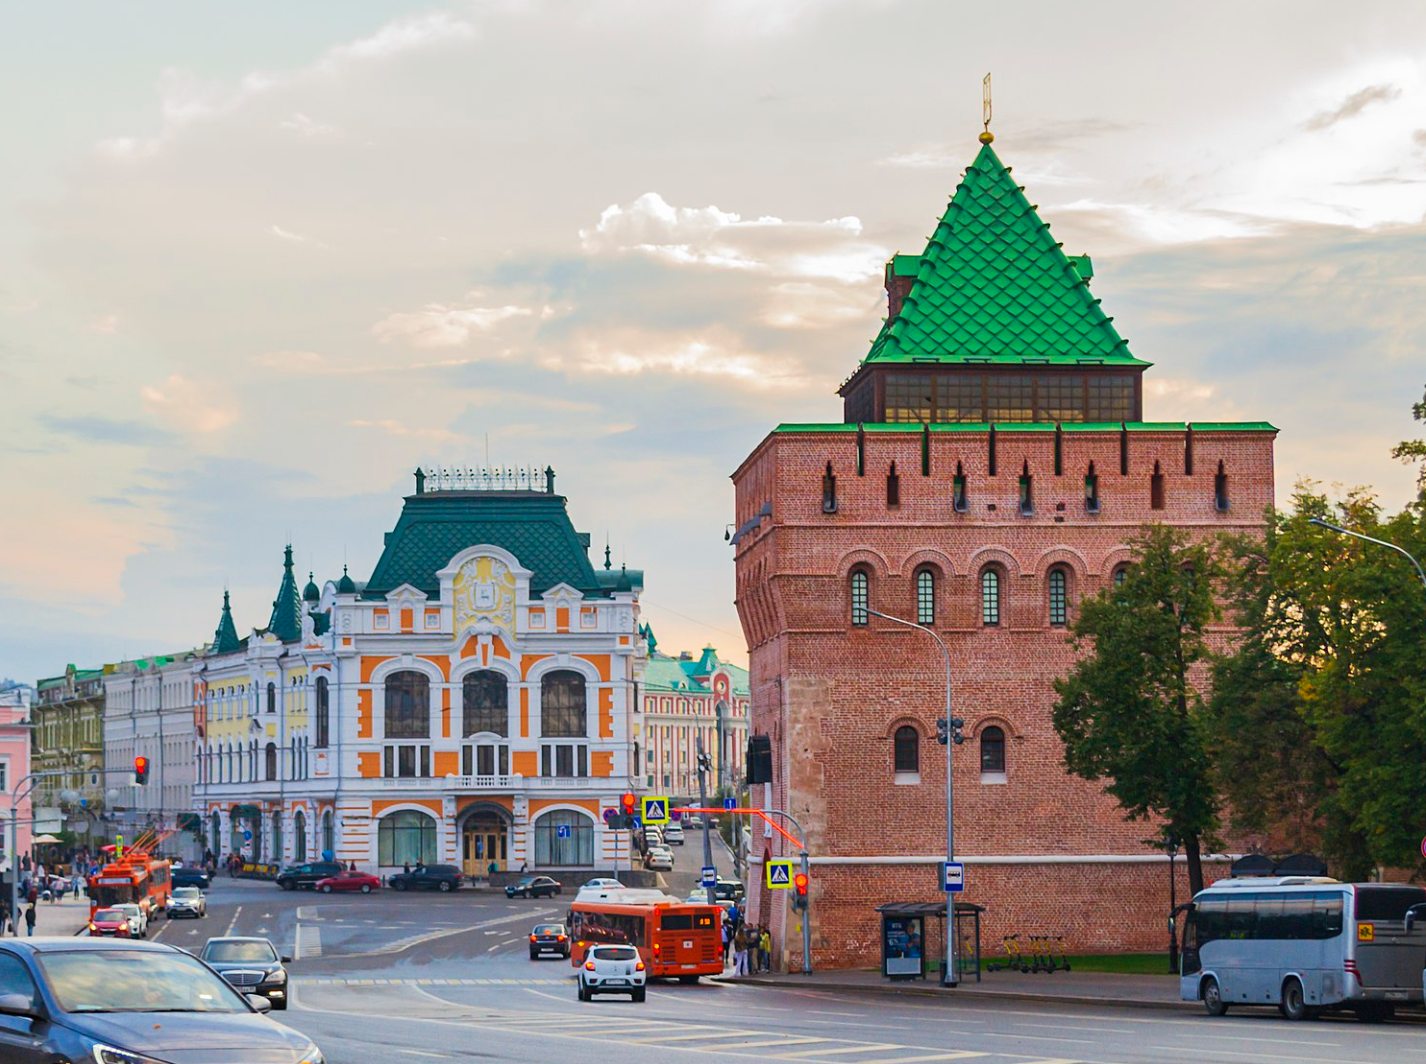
x: 1414, y: 450
x: 1130, y: 712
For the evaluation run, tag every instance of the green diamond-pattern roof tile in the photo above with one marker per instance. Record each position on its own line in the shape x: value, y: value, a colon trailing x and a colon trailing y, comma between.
x: 993, y: 284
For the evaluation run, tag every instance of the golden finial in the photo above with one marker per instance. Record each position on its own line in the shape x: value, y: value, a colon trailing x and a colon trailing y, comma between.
x: 987, y: 136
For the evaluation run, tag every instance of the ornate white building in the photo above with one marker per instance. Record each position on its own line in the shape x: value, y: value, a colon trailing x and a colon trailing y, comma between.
x: 472, y: 703
x: 686, y: 699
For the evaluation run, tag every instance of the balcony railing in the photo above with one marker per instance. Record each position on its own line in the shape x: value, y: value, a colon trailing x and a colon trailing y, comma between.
x: 453, y: 783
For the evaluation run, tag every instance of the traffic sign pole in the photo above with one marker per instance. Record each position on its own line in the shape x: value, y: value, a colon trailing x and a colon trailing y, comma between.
x: 703, y: 801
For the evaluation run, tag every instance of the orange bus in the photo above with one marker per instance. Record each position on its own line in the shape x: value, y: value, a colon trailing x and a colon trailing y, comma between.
x: 135, y: 878
x: 675, y: 939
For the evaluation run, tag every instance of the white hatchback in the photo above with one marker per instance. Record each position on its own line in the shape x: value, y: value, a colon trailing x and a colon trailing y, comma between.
x: 612, y: 970
x: 138, y: 918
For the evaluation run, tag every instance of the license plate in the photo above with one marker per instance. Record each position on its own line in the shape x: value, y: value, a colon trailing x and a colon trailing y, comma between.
x: 613, y: 982
x: 1396, y: 995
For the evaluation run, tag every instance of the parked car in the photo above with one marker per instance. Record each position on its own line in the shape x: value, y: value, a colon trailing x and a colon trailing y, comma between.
x: 700, y: 897
x: 250, y: 965
x: 600, y: 883
x: 729, y: 889
x: 673, y: 834
x: 612, y: 970
x: 549, y: 938
x: 306, y: 876
x: 138, y: 918
x: 659, y: 859
x: 190, y: 877
x: 126, y: 1002
x: 534, y: 887
x: 349, y: 881
x: 187, y: 901
x: 111, y: 923
x: 442, y: 877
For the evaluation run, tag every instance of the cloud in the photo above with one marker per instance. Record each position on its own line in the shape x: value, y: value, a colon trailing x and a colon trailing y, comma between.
x: 632, y: 352
x: 297, y: 238
x: 1352, y: 106
x: 300, y: 123
x: 107, y: 430
x: 392, y: 427
x: 438, y: 325
x: 189, y: 405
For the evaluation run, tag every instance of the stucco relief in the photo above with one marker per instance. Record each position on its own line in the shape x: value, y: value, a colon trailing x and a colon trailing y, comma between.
x: 484, y: 590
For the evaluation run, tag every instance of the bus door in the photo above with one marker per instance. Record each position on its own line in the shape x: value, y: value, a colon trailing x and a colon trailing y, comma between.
x: 1188, y: 959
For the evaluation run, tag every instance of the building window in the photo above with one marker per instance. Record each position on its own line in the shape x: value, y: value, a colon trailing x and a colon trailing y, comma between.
x: 958, y: 398
x: 859, y: 598
x: 277, y: 848
x: 893, y: 488
x: 564, y: 839
x: 566, y: 760
x: 1111, y: 398
x: 411, y: 760
x: 1059, y: 599
x: 485, y: 704
x: 958, y: 491
x: 271, y: 759
x: 1121, y: 573
x: 329, y: 835
x: 1220, y: 488
x: 1156, y: 489
x: 406, y: 837
x: 299, y: 836
x: 323, y: 712
x: 1027, y: 491
x: 408, y: 706
x: 907, y: 749
x: 989, y: 597
x: 1062, y: 397
x: 908, y: 398
x: 272, y: 698
x: 1010, y: 397
x: 485, y: 759
x: 992, y: 754
x: 1091, y: 490
x: 925, y: 597
x: 829, y: 491
x: 562, y: 705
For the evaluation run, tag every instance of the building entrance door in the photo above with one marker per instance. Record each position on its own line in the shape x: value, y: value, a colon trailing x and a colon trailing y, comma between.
x: 484, y: 839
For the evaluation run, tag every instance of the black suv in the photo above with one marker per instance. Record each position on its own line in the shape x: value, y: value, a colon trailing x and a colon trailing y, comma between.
x: 190, y: 877
x: 429, y: 877
x: 305, y: 876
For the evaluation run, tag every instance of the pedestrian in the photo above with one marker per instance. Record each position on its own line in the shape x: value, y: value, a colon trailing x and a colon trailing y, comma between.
x: 30, y: 921
x: 351, y: 866
x: 765, y: 950
x: 406, y: 868
x: 740, y: 952
x: 735, y: 915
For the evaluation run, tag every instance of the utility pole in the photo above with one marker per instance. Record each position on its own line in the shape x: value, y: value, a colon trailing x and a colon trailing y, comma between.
x: 703, y: 803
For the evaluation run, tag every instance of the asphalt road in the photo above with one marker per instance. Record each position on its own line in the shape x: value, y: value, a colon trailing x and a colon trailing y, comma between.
x: 390, y: 977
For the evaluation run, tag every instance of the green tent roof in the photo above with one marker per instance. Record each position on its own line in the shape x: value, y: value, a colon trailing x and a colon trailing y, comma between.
x: 286, y: 619
x: 993, y: 287
x: 436, y: 526
x: 225, y: 639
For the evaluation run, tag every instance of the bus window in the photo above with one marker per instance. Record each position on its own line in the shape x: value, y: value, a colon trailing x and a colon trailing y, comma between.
x: 1241, y: 916
x: 1326, y: 914
x: 1212, y: 920
x: 1387, y: 903
x: 676, y: 922
x: 1269, y: 917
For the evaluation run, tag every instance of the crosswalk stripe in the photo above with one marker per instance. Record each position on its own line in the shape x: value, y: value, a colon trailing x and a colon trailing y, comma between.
x: 959, y: 1054
x: 866, y: 1047
x: 775, y: 1042
x: 711, y: 1032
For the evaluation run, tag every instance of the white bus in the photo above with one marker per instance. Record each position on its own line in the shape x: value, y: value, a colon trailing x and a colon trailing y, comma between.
x: 1304, y: 944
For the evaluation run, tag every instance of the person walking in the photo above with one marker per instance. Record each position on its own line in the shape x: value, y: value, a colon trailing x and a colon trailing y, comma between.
x: 765, y: 950
x: 30, y: 920
x: 740, y: 952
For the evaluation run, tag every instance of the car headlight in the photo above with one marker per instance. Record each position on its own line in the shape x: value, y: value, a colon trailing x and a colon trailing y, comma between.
x: 279, y: 976
x: 314, y: 1057
x: 110, y: 1055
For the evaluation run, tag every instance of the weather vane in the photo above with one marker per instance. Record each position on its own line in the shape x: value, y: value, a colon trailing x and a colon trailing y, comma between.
x: 987, y: 136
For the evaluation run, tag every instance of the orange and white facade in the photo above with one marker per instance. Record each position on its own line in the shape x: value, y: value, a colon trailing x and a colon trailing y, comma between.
x: 478, y: 713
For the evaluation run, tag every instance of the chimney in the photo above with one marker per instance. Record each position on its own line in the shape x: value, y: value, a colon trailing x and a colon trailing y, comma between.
x: 900, y: 275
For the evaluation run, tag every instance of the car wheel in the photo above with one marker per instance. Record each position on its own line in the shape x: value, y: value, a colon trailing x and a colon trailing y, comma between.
x: 1293, y: 1004
x: 366, y: 888
x: 639, y: 994
x: 400, y: 884
x: 326, y: 888
x: 1213, y: 997
x: 581, y: 992
x: 445, y: 886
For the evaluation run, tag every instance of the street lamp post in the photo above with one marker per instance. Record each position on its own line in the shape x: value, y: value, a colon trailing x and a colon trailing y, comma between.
x: 1171, y: 844
x: 949, y: 975
x: 1420, y: 572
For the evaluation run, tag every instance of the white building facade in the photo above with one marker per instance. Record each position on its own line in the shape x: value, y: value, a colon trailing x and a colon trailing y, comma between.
x: 688, y: 700
x: 472, y: 703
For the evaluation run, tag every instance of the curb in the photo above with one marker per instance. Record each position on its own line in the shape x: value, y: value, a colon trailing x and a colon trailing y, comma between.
x: 946, y: 995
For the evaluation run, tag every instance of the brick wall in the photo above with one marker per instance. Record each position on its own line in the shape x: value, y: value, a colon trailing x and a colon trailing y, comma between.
x: 831, y: 695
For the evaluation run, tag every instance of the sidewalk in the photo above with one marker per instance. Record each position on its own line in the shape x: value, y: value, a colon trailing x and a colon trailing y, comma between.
x: 61, y: 918
x: 1066, y: 988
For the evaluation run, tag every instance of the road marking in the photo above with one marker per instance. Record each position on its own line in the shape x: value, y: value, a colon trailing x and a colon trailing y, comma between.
x: 406, y: 943
x: 958, y: 1054
x: 421, y: 1053
x: 864, y: 1048
x: 308, y: 942
x: 233, y: 922
x: 707, y: 1032
x: 789, y: 1041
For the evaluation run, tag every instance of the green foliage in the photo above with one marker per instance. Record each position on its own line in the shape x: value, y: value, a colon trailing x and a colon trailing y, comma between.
x: 1130, y: 713
x: 1410, y: 451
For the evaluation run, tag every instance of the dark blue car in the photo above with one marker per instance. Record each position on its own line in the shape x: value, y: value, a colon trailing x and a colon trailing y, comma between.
x: 116, y: 1001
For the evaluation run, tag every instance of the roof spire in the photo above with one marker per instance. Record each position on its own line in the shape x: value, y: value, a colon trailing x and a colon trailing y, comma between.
x: 987, y: 136
x: 286, y: 620
x: 225, y: 639
x: 608, y: 562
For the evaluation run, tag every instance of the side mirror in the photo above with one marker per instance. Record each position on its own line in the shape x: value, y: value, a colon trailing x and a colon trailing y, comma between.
x: 260, y: 1003
x: 18, y: 1005
x: 286, y: 960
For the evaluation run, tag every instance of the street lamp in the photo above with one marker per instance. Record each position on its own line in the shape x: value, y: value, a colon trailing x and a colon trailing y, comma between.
x: 949, y: 973
x: 1379, y: 542
x: 1171, y: 845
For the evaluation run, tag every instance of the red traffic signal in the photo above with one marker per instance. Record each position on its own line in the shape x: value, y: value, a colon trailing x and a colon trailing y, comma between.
x: 628, y: 801
x: 799, y: 890
x: 141, y: 770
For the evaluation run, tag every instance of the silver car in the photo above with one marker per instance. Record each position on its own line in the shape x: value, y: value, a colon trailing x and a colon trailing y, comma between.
x: 187, y: 901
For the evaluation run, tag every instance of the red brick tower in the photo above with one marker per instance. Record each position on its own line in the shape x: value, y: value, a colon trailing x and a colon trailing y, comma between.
x: 990, y: 471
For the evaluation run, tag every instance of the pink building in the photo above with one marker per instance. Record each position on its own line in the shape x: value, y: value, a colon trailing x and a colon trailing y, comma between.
x: 14, y: 766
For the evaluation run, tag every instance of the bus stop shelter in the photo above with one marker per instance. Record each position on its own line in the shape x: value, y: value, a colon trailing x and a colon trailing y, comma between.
x: 904, y: 935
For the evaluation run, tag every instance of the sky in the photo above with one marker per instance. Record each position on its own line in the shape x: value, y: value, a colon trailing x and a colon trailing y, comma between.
x: 261, y: 261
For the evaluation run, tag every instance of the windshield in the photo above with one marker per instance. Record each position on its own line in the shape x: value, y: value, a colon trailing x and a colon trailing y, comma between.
x: 192, y: 893
x: 138, y: 981
x: 221, y: 952
x: 109, y: 914
x: 550, y: 929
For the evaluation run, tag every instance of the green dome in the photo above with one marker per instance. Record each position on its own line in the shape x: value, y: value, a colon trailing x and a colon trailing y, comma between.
x: 311, y: 593
x: 346, y: 586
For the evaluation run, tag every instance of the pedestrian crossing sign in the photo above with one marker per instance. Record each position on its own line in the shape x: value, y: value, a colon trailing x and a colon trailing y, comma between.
x: 779, y: 875
x: 655, y: 810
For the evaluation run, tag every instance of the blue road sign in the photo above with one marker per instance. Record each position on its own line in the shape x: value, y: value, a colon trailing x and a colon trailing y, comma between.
x: 730, y: 803
x: 562, y: 831
x: 247, y: 835
x: 779, y: 875
x: 710, y: 876
x: 955, y: 878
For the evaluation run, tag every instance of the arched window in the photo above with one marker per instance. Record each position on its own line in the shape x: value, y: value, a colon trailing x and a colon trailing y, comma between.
x: 925, y: 597
x: 1220, y: 488
x: 485, y: 697
x: 215, y: 832
x: 323, y: 712
x: 406, y: 837
x: 906, y: 746
x: 989, y: 597
x: 562, y: 705
x: 408, y: 706
x: 860, y: 599
x: 277, y: 847
x: 575, y: 849
x: 271, y: 752
x: 1059, y: 598
x: 992, y: 751
x: 1121, y: 573
x: 329, y: 835
x: 299, y: 836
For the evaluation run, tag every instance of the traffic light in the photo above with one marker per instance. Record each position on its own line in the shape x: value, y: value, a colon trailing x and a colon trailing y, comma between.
x: 799, y: 890
x: 629, y: 803
x: 141, y: 771
x: 759, y: 759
